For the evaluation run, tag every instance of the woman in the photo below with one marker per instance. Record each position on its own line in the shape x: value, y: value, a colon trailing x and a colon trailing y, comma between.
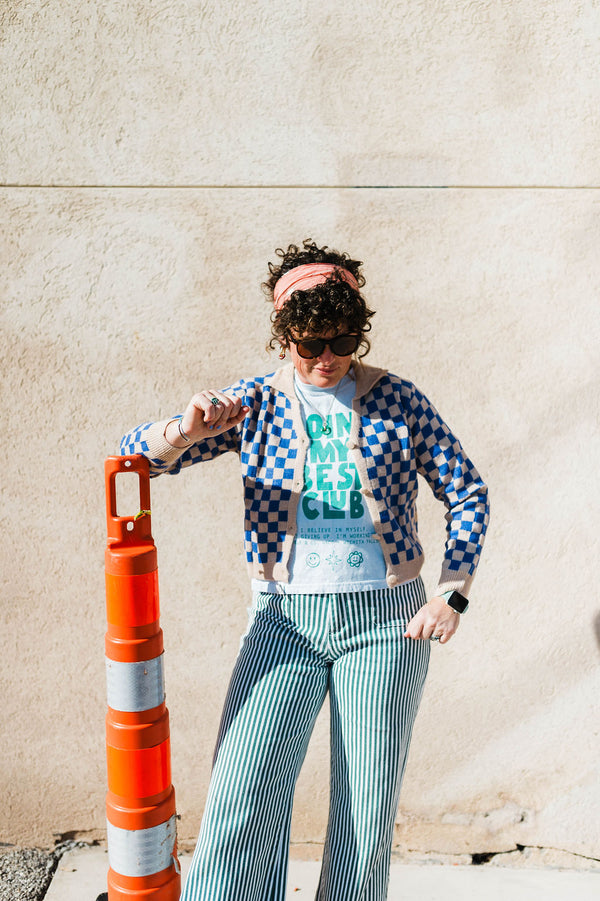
x: 330, y: 450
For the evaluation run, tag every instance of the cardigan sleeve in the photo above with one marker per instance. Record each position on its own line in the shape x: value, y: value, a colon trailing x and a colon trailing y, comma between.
x: 149, y: 440
x: 455, y: 481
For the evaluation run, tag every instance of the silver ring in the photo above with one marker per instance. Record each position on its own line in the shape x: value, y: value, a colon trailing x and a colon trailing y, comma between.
x: 215, y: 401
x: 435, y: 638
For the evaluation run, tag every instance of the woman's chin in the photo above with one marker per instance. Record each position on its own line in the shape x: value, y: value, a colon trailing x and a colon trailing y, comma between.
x: 325, y: 379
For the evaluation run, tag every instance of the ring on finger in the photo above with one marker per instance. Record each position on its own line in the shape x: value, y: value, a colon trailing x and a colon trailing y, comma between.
x: 215, y: 401
x: 435, y: 638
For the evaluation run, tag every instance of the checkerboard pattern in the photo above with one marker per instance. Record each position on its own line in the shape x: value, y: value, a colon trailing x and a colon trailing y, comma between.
x: 401, y: 435
x: 405, y: 435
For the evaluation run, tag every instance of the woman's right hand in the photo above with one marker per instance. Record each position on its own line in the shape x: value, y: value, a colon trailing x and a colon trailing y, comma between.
x: 204, y: 417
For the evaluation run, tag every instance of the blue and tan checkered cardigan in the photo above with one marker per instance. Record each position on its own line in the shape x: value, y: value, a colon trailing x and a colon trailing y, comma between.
x: 395, y: 434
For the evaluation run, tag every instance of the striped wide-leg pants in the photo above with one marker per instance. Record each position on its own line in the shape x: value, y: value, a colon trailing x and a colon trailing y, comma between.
x: 295, y: 650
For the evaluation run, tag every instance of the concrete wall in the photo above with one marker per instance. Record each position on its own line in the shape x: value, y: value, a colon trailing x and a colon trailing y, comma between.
x: 152, y: 157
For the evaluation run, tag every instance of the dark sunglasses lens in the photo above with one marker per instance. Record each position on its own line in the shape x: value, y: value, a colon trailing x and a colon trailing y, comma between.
x: 310, y: 348
x: 344, y: 345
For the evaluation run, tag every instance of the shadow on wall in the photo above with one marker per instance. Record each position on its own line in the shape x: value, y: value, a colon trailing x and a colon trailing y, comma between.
x: 597, y: 628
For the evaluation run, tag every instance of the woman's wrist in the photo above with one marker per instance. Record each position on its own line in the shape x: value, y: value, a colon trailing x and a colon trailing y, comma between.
x: 175, y: 435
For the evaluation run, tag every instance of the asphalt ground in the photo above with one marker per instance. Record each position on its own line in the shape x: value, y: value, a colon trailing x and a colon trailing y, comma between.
x: 77, y: 872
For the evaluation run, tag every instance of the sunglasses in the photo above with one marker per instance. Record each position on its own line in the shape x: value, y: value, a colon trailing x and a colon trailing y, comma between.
x: 341, y: 346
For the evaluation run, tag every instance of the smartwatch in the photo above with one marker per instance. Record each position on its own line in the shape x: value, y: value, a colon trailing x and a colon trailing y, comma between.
x: 456, y: 600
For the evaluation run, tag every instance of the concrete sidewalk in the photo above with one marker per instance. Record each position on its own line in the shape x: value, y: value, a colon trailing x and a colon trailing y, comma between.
x: 81, y: 876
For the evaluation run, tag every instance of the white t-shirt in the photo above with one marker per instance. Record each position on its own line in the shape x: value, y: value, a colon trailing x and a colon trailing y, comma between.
x: 334, y: 549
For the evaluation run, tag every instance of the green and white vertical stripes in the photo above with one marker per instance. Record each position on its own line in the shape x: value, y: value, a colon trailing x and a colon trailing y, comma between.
x: 295, y: 650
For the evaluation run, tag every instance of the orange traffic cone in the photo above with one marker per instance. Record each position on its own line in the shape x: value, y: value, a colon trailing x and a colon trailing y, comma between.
x: 140, y: 804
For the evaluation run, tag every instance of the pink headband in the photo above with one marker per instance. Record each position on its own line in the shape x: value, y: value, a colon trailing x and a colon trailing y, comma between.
x: 301, y: 278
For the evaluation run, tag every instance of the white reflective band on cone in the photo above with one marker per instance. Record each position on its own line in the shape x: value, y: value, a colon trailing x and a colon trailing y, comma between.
x: 141, y: 852
x: 133, y: 687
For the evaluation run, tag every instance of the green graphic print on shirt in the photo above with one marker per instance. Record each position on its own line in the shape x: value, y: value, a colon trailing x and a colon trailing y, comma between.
x: 331, y: 483
x: 334, y: 546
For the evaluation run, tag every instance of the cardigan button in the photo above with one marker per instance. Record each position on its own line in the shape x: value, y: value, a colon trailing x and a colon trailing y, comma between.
x: 351, y: 444
x: 392, y: 580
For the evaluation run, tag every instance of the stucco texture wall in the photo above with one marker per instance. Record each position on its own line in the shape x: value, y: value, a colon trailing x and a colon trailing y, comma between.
x: 152, y: 158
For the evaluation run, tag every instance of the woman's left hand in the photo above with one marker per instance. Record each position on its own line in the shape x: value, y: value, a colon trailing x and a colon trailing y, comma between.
x: 434, y: 619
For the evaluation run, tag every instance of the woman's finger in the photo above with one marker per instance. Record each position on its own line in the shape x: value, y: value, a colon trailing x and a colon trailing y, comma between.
x: 433, y: 622
x: 203, y: 411
x: 214, y: 410
x: 415, y: 626
x: 224, y: 409
x: 197, y: 410
x: 210, y: 405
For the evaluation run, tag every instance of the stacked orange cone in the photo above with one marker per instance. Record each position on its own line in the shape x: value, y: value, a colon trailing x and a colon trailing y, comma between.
x: 140, y: 804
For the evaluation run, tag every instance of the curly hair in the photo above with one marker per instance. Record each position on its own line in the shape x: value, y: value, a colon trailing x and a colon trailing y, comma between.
x: 324, y: 307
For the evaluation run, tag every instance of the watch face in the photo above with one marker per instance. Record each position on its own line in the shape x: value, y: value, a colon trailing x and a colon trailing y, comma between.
x: 458, y: 602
